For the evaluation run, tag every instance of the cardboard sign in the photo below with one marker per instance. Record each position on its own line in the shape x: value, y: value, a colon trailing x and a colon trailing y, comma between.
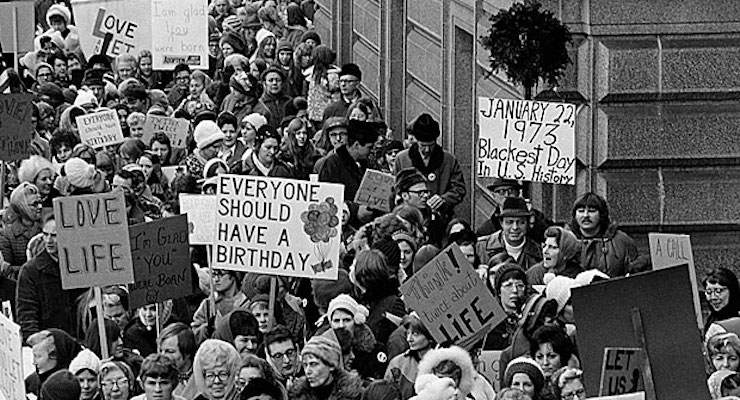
x: 179, y: 33
x: 93, y: 240
x: 630, y: 396
x: 16, y: 129
x: 113, y: 27
x: 171, y: 171
x: 527, y: 140
x: 177, y: 129
x: 278, y: 226
x: 489, y: 366
x: 17, y: 21
x: 667, y: 250
x: 100, y: 129
x: 451, y: 299
x: 376, y: 190
x: 201, y: 212
x: 11, y: 360
x: 664, y: 298
x: 161, y: 255
x: 621, y: 371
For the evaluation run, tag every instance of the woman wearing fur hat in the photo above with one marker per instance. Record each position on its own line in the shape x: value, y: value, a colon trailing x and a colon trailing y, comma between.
x: 451, y: 363
x: 403, y: 368
x: 22, y: 221
x: 561, y: 256
x: 39, y: 171
x: 326, y: 378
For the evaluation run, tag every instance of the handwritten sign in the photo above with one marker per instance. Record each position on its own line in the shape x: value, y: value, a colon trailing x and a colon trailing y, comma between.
x: 376, y: 190
x: 278, y: 226
x: 451, y: 299
x: 179, y: 33
x: 21, y: 29
x: 621, y: 371
x: 490, y: 367
x: 201, y: 212
x: 176, y: 129
x: 670, y: 250
x: 92, y: 240
x: 100, y: 129
x: 161, y: 256
x: 16, y: 129
x: 113, y: 27
x: 630, y: 396
x: 527, y: 140
x: 11, y: 360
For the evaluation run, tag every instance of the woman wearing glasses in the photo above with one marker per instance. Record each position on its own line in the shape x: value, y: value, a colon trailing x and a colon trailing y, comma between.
x: 722, y: 292
x: 568, y: 384
x: 116, y: 381
x: 215, y: 369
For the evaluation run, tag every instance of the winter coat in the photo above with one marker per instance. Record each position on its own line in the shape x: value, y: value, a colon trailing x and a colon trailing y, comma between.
x: 448, y: 179
x: 14, y: 238
x: 459, y: 357
x: 320, y: 92
x: 344, y: 386
x: 201, y: 324
x: 235, y: 154
x: 489, y: 246
x: 538, y: 224
x: 137, y: 337
x: 402, y: 371
x: 41, y: 303
x: 380, y: 302
x: 247, y: 167
x: 272, y: 107
x: 240, y: 107
x: 340, y: 167
x: 612, y: 253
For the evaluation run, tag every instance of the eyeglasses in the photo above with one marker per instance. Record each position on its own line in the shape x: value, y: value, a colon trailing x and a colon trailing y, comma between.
x: 714, y: 292
x: 44, y: 74
x: 581, y: 393
x: 120, y: 382
x: 513, y: 285
x: 279, y: 356
x: 221, y: 375
x: 423, y: 192
x: 507, y: 192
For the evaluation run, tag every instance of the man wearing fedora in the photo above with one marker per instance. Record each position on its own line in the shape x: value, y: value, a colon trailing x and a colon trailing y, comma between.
x: 441, y: 169
x: 501, y: 189
x: 512, y: 238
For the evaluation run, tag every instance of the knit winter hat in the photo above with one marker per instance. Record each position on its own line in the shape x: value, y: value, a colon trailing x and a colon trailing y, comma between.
x: 284, y: 45
x: 234, y: 40
x: 232, y: 23
x: 392, y: 254
x: 42, y: 65
x: 324, y: 348
x: 23, y: 197
x: 402, y: 236
x: 206, y: 134
x: 79, y: 173
x: 526, y: 366
x: 509, y: 271
x: 324, y: 291
x: 347, y: 303
x: 256, y: 120
x: 85, y: 98
x: 86, y: 359
x: 61, y: 385
x: 424, y: 128
x: 261, y: 35
x: 31, y: 168
x: 60, y: 10
x: 311, y: 35
x: 559, y: 290
x: 407, y: 178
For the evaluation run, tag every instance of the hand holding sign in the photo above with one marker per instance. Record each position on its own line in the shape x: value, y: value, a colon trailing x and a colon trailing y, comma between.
x: 376, y: 190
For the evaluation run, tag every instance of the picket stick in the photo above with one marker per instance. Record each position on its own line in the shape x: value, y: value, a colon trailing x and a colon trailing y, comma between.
x: 101, y: 322
x: 157, y: 322
x: 2, y: 184
x: 273, y: 289
x: 15, y: 46
x: 212, y: 296
x: 646, y: 368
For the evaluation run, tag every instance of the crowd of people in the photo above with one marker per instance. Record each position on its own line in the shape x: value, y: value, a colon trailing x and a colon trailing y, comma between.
x: 274, y: 104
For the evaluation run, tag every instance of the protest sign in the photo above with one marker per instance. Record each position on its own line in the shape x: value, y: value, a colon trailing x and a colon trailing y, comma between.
x: 376, y: 190
x: 629, y: 396
x: 93, y: 240
x: 113, y: 27
x: 16, y: 129
x: 278, y: 226
x: 176, y: 129
x: 604, y: 312
x: 621, y: 371
x: 17, y: 24
x: 669, y: 250
x: 11, y: 360
x: 100, y: 129
x: 489, y: 366
x: 201, y: 212
x: 161, y: 256
x: 527, y: 140
x: 179, y: 33
x: 451, y: 299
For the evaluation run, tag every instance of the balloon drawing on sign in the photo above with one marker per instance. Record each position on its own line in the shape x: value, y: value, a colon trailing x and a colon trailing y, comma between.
x: 319, y: 223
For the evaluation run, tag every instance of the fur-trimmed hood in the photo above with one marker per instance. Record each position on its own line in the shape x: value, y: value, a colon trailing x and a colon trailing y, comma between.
x: 346, y: 386
x: 458, y: 356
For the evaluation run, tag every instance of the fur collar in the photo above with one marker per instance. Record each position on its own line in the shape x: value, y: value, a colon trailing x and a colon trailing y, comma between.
x: 435, y: 160
x: 346, y: 386
x: 458, y: 356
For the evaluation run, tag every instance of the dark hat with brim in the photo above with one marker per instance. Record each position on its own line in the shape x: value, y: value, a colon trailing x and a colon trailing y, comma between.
x: 500, y: 182
x: 515, y: 207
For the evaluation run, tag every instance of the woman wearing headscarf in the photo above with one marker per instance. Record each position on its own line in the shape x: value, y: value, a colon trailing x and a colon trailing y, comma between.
x: 39, y: 171
x: 326, y: 378
x: 215, y: 370
x: 561, y: 254
x: 117, y: 381
x: 22, y: 221
x: 86, y: 367
x: 53, y: 350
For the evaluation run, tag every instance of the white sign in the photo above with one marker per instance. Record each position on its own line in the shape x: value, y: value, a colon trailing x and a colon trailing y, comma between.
x: 179, y: 33
x: 100, y: 129
x: 278, y: 226
x: 526, y: 140
x: 11, y: 360
x: 201, y: 212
